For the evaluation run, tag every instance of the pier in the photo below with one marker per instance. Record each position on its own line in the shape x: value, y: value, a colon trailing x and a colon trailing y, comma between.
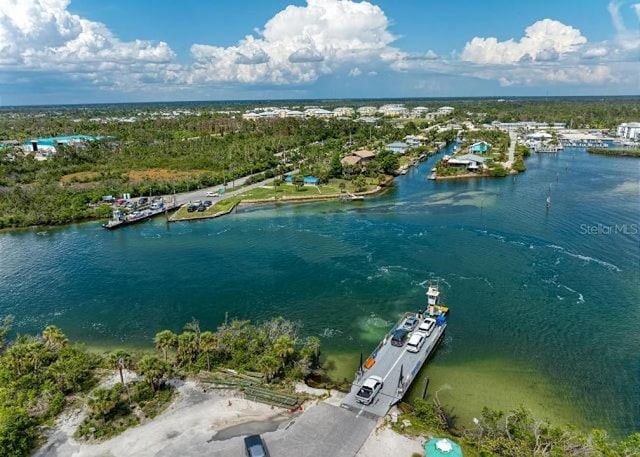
x: 120, y: 219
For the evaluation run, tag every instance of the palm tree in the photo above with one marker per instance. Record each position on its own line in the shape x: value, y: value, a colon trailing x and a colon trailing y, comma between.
x: 188, y: 348
x: 154, y: 370
x: 283, y: 348
x: 120, y: 360
x: 268, y: 365
x: 208, y: 344
x: 164, y: 341
x: 54, y: 337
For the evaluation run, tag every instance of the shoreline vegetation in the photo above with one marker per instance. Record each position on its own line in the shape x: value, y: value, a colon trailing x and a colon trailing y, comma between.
x: 45, y: 375
x: 152, y: 150
x: 341, y: 190
x: 619, y: 152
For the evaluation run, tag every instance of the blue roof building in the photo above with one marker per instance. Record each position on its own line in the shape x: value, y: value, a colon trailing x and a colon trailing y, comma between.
x: 481, y: 147
x: 312, y: 180
x: 49, y: 144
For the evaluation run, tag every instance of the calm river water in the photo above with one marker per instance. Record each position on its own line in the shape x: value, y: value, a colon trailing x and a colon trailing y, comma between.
x: 545, y: 302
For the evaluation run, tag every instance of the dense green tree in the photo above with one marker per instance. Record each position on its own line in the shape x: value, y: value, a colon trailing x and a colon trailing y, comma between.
x: 283, y: 348
x: 336, y: 166
x: 154, y: 370
x: 268, y: 365
x: 164, y: 341
x: 388, y: 161
x: 17, y: 434
x: 208, y: 345
x: 188, y: 348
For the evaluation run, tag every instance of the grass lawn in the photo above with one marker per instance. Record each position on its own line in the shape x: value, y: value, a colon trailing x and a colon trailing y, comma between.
x: 289, y: 190
x: 224, y: 205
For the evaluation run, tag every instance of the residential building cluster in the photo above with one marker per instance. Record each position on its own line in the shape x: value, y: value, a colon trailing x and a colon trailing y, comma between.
x: 364, y: 113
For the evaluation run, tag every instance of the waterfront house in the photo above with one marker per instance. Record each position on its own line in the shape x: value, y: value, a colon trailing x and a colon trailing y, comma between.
x: 364, y: 154
x: 471, y: 162
x: 357, y: 159
x: 397, y: 147
x: 413, y: 140
x: 350, y: 161
x: 481, y: 147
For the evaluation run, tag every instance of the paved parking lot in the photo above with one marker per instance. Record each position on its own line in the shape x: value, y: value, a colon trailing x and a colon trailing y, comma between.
x: 322, y: 431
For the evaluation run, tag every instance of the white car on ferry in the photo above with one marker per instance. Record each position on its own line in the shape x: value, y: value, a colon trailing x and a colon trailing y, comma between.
x: 416, y: 341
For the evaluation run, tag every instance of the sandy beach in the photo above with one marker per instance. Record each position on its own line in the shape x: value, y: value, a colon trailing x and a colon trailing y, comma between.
x: 212, y: 422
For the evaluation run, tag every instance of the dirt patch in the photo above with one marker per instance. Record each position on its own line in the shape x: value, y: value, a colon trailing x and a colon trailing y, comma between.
x: 163, y: 174
x: 80, y: 177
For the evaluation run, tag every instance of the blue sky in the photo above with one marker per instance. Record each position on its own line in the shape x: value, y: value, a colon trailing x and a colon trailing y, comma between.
x: 84, y: 51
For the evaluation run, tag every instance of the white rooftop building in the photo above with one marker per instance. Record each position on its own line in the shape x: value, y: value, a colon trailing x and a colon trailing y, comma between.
x: 367, y: 110
x: 343, y: 111
x: 446, y: 110
x: 318, y: 112
x: 395, y: 110
x: 629, y: 130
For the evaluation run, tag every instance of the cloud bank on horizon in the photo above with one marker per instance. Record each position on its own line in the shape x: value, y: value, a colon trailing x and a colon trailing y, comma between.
x: 343, y: 39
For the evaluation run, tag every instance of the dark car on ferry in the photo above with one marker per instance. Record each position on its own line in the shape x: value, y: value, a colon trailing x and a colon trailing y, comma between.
x: 399, y: 336
x: 255, y: 447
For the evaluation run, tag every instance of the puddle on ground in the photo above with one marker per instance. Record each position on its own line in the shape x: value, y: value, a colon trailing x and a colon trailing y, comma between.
x: 249, y: 428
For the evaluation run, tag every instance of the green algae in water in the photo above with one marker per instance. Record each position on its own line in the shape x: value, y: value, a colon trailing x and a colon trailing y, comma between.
x: 465, y: 388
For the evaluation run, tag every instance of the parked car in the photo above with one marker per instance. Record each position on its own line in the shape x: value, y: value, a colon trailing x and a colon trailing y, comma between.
x: 142, y: 200
x: 410, y: 323
x: 201, y: 208
x: 416, y: 341
x: 207, y: 203
x: 427, y: 326
x: 191, y: 208
x: 369, y: 390
x: 255, y: 447
x: 399, y: 336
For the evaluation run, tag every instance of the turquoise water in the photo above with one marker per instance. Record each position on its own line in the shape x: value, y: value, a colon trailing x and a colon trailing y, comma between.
x: 545, y: 302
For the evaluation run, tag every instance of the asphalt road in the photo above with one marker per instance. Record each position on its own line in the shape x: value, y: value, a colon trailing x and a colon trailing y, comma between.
x: 232, y: 189
x: 322, y: 431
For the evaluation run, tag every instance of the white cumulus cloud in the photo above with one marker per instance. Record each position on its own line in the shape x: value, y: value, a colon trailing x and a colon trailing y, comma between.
x: 545, y: 40
x: 43, y: 34
x: 299, y: 44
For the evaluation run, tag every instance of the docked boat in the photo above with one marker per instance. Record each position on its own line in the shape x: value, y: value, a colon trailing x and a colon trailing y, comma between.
x: 119, y: 219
